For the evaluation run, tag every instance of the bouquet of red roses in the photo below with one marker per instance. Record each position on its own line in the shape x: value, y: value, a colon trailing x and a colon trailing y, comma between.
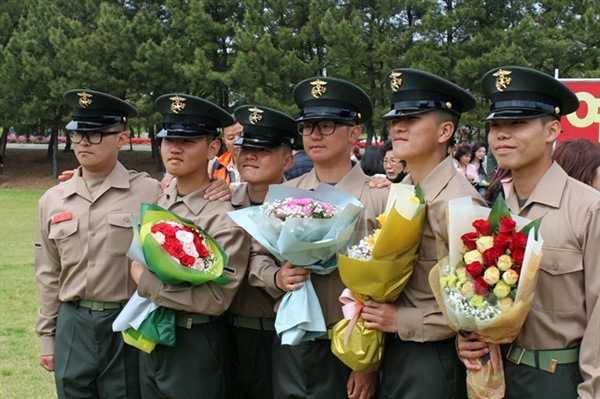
x: 487, y: 284
x: 177, y: 251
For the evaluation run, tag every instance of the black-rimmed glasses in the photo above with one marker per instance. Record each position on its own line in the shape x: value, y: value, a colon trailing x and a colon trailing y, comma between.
x: 325, y: 128
x: 91, y: 137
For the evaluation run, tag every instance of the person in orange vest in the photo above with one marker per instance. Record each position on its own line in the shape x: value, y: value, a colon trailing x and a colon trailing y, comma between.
x: 224, y: 166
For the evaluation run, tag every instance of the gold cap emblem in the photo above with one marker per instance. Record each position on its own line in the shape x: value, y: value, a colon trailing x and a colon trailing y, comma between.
x: 255, y: 115
x: 502, y: 79
x: 395, y: 81
x: 318, y: 88
x: 178, y: 104
x: 85, y: 99
x: 449, y: 105
x: 557, y: 110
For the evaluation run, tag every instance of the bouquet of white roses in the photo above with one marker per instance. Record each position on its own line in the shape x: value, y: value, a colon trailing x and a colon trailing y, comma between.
x: 305, y: 228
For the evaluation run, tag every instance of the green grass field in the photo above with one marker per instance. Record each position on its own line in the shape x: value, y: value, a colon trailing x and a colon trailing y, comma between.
x: 21, y: 376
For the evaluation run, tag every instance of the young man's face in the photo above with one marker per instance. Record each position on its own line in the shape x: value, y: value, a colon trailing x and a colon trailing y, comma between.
x: 101, y: 156
x: 264, y: 165
x: 415, y: 136
x: 519, y: 143
x: 184, y: 157
x: 325, y: 149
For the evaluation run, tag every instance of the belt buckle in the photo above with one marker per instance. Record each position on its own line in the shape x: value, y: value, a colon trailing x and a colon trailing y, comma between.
x: 518, y: 361
x: 189, y: 322
x: 97, y: 306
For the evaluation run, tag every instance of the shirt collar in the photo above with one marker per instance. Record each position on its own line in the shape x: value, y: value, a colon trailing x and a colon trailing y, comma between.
x: 117, y: 178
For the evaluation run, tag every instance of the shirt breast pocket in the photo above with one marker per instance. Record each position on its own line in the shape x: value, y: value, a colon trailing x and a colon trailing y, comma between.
x: 560, y: 286
x: 68, y: 242
x: 120, y: 233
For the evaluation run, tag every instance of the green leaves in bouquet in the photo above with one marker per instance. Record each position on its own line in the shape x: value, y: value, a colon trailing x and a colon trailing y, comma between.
x: 534, y: 224
x: 499, y: 210
x: 419, y: 193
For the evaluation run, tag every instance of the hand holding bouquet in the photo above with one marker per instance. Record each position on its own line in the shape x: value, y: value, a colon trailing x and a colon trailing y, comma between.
x: 378, y: 268
x: 487, y: 283
x: 177, y: 251
x: 305, y: 228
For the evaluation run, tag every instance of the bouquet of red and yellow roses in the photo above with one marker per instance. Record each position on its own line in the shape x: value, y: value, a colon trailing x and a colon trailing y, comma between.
x: 487, y: 283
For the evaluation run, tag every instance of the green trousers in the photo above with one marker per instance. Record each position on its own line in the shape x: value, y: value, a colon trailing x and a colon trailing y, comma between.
x: 412, y: 370
x: 198, y: 366
x: 308, y: 371
x: 528, y: 382
x: 92, y: 361
x: 252, y: 363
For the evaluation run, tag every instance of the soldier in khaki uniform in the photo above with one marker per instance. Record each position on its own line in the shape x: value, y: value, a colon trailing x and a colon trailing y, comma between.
x: 264, y: 154
x: 420, y: 359
x: 557, y: 352
x: 200, y: 363
x: 330, y: 112
x: 84, y: 231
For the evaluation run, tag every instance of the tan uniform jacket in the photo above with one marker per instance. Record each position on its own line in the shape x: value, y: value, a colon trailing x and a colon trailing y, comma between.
x: 81, y: 243
x: 566, y: 309
x: 419, y: 316
x: 209, y: 298
x: 251, y: 302
x: 329, y: 287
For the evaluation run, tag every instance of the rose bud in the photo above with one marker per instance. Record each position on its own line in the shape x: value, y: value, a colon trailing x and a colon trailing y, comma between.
x: 491, y: 275
x: 469, y: 240
x: 475, y: 269
x: 482, y: 226
x: 490, y: 256
x: 510, y: 277
x: 461, y: 272
x: 507, y: 225
x: 504, y: 262
x: 501, y: 242
x: 473, y: 256
x: 481, y: 287
x: 519, y: 240
x: 506, y: 303
x: 517, y: 256
x: 485, y: 243
x: 501, y: 289
x: 468, y: 289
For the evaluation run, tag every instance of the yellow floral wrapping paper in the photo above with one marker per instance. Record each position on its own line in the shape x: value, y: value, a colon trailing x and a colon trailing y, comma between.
x: 381, y: 278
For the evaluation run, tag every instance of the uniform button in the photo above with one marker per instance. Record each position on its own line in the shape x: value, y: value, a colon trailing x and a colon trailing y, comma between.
x: 411, y: 334
x: 126, y: 220
x: 554, y: 267
x: 92, y: 264
x: 93, y: 235
x: 61, y: 233
x: 93, y: 207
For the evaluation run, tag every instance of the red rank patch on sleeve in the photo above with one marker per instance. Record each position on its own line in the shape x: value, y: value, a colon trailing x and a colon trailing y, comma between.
x: 62, y: 217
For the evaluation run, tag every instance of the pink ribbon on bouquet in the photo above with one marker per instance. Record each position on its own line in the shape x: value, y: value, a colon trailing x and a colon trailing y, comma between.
x: 352, y: 308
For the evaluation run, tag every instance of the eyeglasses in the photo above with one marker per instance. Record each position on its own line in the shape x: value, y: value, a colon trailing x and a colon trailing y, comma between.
x: 91, y: 137
x: 325, y: 128
x: 390, y: 161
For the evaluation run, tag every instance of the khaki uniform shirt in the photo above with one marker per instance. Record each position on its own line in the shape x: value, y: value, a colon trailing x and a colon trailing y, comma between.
x: 82, y: 241
x: 209, y: 298
x: 329, y: 287
x: 419, y: 316
x: 251, y: 302
x: 566, y: 309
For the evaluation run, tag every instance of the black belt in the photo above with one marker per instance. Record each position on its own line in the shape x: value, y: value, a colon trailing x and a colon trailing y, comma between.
x: 187, y: 320
x: 99, y: 306
x: 546, y: 360
x: 264, y: 324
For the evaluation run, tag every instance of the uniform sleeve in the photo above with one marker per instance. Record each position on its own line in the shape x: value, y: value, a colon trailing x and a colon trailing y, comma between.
x: 209, y: 298
x: 47, y: 272
x: 589, y: 357
x: 262, y: 269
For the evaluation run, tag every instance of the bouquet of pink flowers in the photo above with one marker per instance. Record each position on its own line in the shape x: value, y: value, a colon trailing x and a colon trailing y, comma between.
x: 177, y: 251
x: 305, y: 228
x: 487, y: 284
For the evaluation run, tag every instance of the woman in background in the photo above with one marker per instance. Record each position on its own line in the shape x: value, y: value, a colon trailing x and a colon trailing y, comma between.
x: 580, y: 158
